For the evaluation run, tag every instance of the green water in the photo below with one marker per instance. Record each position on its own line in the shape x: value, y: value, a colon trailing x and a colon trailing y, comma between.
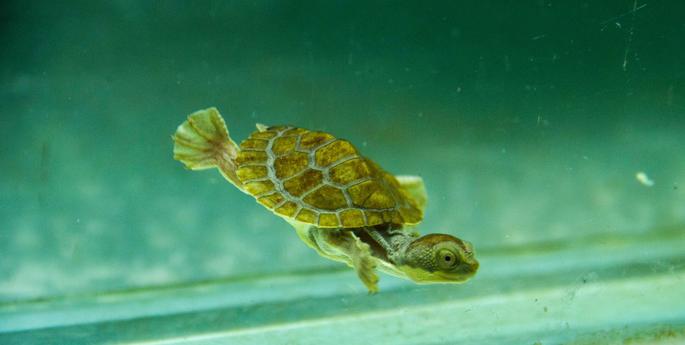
x: 529, y: 122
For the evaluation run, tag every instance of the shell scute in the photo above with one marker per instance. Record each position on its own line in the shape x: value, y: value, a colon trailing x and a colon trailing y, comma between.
x: 251, y: 157
x: 259, y: 187
x: 271, y: 200
x: 374, y: 217
x: 313, y: 139
x: 251, y: 172
x: 392, y: 217
x: 300, y: 184
x: 349, y: 171
x: 308, y: 216
x: 295, y: 131
x: 334, y: 152
x: 288, y: 209
x: 369, y: 194
x: 283, y: 145
x: 266, y: 135
x: 352, y: 218
x: 328, y: 220
x: 411, y: 215
x: 258, y: 144
x: 290, y: 164
x: 397, y: 218
x: 326, y: 198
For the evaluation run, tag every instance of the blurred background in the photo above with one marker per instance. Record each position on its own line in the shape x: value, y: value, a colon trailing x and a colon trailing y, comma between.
x: 549, y: 134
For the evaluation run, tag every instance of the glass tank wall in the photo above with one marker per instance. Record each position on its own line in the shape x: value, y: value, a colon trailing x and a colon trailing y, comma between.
x: 549, y: 134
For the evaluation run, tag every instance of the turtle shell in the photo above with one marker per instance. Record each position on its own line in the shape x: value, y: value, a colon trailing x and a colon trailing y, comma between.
x: 316, y: 178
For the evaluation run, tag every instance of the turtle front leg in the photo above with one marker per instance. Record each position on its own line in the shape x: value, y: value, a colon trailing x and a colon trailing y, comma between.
x: 345, y: 246
x: 363, y: 263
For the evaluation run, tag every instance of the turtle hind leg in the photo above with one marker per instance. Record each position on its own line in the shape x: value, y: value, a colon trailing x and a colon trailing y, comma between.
x: 202, y: 142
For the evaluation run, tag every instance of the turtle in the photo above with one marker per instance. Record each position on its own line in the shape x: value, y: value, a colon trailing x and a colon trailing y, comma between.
x: 340, y: 203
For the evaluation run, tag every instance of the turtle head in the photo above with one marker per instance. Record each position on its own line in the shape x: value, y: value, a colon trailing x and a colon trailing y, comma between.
x: 439, y: 258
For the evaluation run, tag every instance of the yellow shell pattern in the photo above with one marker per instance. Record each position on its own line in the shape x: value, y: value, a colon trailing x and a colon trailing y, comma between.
x: 315, y: 178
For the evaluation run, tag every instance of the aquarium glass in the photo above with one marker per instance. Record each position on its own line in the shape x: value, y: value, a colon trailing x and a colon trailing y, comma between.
x: 550, y: 134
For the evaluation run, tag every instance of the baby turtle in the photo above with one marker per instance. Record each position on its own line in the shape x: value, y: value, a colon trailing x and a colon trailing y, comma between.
x: 340, y: 203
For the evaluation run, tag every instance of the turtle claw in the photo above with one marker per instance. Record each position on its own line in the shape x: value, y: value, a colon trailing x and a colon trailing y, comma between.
x: 371, y: 283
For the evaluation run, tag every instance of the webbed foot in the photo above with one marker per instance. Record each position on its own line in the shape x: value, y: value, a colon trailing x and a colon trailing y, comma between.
x: 364, y: 264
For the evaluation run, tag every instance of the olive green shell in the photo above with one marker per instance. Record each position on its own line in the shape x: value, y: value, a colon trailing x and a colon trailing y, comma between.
x: 315, y: 178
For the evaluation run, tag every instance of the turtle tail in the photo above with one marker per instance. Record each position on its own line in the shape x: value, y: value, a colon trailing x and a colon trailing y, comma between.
x: 202, y: 142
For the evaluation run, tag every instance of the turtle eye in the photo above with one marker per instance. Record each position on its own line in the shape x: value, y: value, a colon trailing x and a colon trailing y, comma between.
x: 446, y: 258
